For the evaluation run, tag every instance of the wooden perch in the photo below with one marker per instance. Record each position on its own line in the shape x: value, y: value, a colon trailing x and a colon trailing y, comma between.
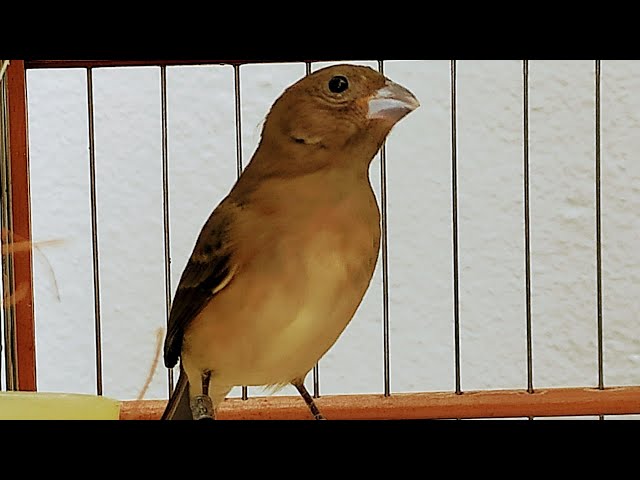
x: 478, y: 404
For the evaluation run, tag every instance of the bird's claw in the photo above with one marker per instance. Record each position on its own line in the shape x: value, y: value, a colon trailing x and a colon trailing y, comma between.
x: 319, y: 417
x: 202, y: 408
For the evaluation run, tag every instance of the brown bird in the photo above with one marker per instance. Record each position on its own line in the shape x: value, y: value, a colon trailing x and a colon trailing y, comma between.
x: 283, y: 262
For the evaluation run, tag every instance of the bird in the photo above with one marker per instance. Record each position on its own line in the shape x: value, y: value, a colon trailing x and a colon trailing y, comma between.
x: 282, y: 264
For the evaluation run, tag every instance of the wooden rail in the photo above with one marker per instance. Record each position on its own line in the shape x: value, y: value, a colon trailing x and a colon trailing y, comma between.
x: 33, y: 64
x: 478, y: 404
x: 20, y: 232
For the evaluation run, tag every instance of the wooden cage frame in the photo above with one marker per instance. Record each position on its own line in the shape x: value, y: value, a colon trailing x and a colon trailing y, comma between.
x: 18, y: 277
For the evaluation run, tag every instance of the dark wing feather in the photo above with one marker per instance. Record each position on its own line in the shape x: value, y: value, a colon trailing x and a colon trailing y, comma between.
x: 207, y: 268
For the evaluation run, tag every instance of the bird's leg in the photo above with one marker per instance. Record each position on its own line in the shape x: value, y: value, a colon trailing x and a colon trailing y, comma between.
x: 201, y: 405
x: 299, y: 384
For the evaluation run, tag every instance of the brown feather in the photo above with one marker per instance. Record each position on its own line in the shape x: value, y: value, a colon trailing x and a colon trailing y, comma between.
x: 208, y: 268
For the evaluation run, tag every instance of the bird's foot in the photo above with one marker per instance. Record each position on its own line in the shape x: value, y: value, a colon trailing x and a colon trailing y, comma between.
x: 202, y: 408
x: 319, y: 416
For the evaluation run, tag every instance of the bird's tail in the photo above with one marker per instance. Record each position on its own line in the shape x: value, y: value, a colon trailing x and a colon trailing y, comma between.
x: 178, y: 407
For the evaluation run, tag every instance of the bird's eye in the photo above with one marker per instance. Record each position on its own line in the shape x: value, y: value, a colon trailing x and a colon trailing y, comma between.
x: 338, y: 84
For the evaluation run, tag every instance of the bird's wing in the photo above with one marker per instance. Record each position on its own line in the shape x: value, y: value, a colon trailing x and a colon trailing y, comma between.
x: 208, y: 271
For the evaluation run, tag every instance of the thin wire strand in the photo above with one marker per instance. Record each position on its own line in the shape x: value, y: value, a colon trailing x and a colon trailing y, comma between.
x: 385, y: 260
x: 527, y: 236
x: 236, y: 82
x: 9, y: 290
x: 454, y: 221
x: 598, y: 227
x: 165, y: 209
x: 94, y: 233
x: 236, y: 86
x: 316, y: 368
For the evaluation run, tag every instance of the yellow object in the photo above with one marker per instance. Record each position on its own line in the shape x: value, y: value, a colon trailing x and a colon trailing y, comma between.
x: 57, y: 406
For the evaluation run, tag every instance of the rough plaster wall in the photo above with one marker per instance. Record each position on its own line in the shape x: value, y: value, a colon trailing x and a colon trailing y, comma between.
x: 490, y: 180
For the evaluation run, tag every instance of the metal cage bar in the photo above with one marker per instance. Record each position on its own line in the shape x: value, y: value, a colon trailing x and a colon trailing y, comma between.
x: 239, y: 166
x: 454, y: 225
x: 165, y: 208
x: 94, y: 233
x: 384, y: 249
x: 316, y: 368
x: 598, y: 225
x: 527, y: 232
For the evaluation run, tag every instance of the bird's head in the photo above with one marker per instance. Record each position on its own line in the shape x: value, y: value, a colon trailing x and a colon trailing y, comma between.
x: 342, y: 108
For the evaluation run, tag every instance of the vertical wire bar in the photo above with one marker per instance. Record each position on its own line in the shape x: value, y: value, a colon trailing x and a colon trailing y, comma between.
x: 598, y: 228
x: 94, y: 233
x: 454, y: 221
x: 385, y: 260
x: 165, y: 209
x: 236, y: 83
x: 8, y: 286
x: 527, y: 235
x: 316, y: 368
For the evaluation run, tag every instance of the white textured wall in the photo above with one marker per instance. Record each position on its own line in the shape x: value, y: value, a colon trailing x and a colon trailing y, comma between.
x: 202, y: 169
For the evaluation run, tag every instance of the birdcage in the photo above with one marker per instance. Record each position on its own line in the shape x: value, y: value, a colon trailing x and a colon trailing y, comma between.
x: 586, y: 398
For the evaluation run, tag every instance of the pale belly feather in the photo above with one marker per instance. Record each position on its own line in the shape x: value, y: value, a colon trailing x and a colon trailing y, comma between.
x: 277, y: 320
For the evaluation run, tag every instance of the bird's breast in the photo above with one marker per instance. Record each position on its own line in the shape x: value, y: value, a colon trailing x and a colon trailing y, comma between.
x: 288, y: 304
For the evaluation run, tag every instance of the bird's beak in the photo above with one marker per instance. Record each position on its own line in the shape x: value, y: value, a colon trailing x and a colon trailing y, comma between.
x: 391, y: 102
